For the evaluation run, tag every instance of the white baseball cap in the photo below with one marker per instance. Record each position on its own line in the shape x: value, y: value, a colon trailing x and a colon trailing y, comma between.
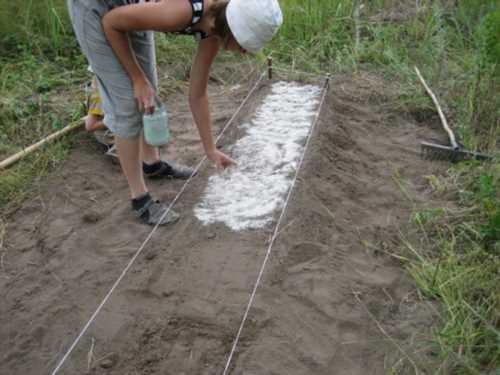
x: 253, y: 23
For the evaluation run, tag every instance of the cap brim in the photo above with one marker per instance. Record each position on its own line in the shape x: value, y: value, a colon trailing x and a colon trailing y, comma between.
x: 240, y: 30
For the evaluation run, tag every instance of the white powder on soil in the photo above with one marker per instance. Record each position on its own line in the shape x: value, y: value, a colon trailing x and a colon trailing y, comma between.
x: 246, y: 197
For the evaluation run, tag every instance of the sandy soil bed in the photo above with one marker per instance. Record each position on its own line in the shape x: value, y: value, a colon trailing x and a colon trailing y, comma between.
x: 329, y: 286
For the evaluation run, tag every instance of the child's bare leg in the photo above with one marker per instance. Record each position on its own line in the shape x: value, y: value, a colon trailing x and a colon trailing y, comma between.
x: 129, y: 155
x: 93, y: 123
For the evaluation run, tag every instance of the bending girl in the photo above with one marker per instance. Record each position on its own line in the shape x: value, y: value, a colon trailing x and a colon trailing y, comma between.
x: 116, y: 37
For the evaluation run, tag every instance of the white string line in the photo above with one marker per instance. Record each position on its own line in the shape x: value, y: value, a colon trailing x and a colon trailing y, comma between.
x: 275, y: 233
x: 138, y: 252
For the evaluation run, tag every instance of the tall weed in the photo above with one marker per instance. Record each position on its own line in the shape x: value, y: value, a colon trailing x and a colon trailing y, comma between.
x: 36, y: 25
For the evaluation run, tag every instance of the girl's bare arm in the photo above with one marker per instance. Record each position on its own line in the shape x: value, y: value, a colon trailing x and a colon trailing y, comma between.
x: 198, y: 99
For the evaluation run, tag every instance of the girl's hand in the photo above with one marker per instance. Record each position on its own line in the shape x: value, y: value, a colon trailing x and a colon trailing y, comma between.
x: 221, y: 160
x: 145, y: 95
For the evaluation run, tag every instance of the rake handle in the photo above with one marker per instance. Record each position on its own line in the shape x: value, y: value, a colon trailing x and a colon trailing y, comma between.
x: 28, y: 150
x: 446, y: 127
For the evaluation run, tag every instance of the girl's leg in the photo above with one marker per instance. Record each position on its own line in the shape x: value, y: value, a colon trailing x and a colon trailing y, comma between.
x: 149, y: 154
x: 154, y: 167
x: 148, y: 210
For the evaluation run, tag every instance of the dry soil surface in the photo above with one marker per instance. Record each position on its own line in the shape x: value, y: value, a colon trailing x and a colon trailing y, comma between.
x: 331, y: 294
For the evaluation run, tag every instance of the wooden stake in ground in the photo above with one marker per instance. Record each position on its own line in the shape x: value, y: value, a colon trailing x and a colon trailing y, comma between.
x: 28, y: 150
x: 270, y: 67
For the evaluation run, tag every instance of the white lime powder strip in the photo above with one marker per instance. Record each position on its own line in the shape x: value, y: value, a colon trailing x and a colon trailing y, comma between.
x: 245, y: 197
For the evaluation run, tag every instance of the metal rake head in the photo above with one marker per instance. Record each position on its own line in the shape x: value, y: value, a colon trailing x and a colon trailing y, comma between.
x: 433, y: 151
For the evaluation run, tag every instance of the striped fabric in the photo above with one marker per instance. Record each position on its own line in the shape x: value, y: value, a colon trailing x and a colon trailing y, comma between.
x: 197, y: 6
x: 128, y: 2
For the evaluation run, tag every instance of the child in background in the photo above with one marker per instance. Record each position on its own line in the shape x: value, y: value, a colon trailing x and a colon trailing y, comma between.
x: 95, y: 114
x: 94, y: 121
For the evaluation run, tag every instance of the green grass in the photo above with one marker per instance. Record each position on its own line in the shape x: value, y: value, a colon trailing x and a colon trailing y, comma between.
x: 38, y: 96
x: 40, y: 25
x: 451, y: 46
x: 456, y: 45
x: 41, y: 90
x: 461, y: 268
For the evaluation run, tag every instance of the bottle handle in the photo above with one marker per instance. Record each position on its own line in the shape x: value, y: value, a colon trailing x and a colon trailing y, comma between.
x: 158, y: 103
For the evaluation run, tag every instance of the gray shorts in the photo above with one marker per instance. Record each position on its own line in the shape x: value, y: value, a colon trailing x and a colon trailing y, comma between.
x: 121, y: 113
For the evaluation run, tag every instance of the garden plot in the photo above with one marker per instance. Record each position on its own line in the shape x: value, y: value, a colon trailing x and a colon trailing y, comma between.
x: 178, y: 309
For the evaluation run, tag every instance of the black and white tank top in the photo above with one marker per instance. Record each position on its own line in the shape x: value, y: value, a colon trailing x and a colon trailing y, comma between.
x: 196, y: 6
